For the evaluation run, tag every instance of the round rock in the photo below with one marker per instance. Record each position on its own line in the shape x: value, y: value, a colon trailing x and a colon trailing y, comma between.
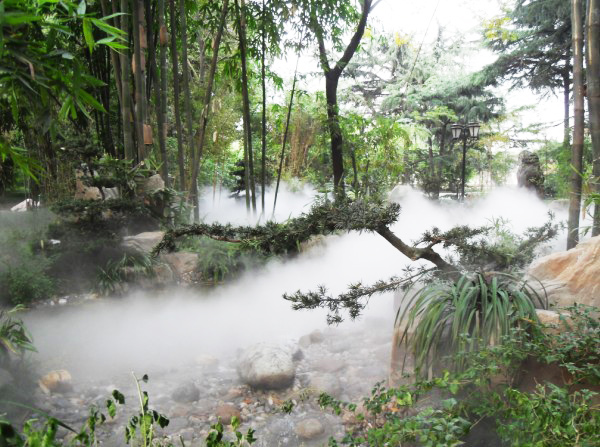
x: 185, y: 393
x: 309, y: 428
x: 267, y: 367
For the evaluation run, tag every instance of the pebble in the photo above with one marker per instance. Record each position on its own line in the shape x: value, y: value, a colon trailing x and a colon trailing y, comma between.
x: 341, y: 363
x: 227, y: 412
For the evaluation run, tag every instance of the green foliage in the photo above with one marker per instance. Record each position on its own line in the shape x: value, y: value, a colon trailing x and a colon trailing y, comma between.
x: 141, y: 430
x: 26, y: 283
x: 279, y: 238
x: 216, y: 435
x: 127, y: 268
x: 14, y: 338
x: 25, y: 260
x: 485, y: 307
x: 141, y: 427
x: 449, y: 409
x: 221, y: 261
x: 495, y: 247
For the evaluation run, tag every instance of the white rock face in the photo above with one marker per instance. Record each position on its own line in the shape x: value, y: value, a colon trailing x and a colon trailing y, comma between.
x: 266, y: 366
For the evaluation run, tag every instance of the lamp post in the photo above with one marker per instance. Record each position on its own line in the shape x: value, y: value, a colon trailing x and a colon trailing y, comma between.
x: 465, y: 132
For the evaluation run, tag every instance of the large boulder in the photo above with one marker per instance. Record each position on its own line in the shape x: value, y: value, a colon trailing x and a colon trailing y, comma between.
x: 143, y: 242
x: 152, y: 185
x: 570, y: 276
x: 267, y: 367
x: 183, y: 264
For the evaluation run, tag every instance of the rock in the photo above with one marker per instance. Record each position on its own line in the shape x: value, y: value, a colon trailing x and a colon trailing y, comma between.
x: 226, y: 412
x: 6, y: 378
x: 314, y: 337
x: 570, y: 276
x: 143, y: 242
x: 328, y: 364
x: 84, y: 192
x: 234, y: 393
x: 207, y: 361
x: 152, y: 185
x: 326, y: 383
x: 25, y: 205
x: 309, y: 428
x: 183, y: 264
x: 267, y: 367
x: 162, y: 274
x: 530, y: 174
x: 56, y: 382
x: 188, y: 392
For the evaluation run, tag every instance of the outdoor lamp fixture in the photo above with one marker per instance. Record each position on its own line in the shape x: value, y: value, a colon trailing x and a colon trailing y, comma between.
x: 466, y: 132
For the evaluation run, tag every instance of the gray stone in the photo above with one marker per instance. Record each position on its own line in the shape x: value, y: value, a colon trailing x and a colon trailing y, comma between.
x: 310, y: 428
x: 185, y: 393
x: 183, y: 264
x: 326, y: 383
x: 267, y: 367
x: 328, y: 364
x: 143, y: 242
x: 153, y: 184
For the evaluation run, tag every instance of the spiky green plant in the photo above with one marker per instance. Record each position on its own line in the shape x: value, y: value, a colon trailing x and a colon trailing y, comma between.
x: 477, y: 310
x: 14, y: 337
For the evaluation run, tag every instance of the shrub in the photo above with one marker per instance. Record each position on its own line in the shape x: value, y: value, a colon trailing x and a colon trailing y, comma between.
x: 14, y: 337
x: 485, y: 307
x: 26, y: 283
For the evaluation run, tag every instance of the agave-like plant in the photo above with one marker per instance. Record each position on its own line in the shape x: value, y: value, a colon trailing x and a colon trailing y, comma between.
x: 443, y: 318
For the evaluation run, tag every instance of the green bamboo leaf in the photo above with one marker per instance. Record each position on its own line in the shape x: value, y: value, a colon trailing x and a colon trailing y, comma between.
x: 87, y: 34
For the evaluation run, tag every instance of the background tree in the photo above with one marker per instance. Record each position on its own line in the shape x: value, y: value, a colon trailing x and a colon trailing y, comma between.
x: 592, y: 53
x: 577, y: 147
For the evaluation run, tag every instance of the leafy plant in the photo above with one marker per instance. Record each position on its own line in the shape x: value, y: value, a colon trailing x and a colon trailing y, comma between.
x: 14, y: 337
x: 128, y: 267
x: 483, y: 306
x: 26, y: 283
x: 215, y: 437
x: 142, y: 425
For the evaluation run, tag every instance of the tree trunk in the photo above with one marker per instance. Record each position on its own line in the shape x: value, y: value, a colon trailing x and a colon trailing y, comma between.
x: 128, y: 147
x: 335, y: 132
x: 264, y: 110
x: 593, y: 94
x: 161, y: 92
x: 566, y: 99
x: 285, y: 134
x: 208, y: 91
x: 140, y: 91
x: 246, y: 102
x: 332, y: 76
x: 176, y: 90
x: 187, y: 100
x: 577, y: 147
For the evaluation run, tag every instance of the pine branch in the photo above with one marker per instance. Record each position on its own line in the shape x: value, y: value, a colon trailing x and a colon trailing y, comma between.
x: 355, y: 299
